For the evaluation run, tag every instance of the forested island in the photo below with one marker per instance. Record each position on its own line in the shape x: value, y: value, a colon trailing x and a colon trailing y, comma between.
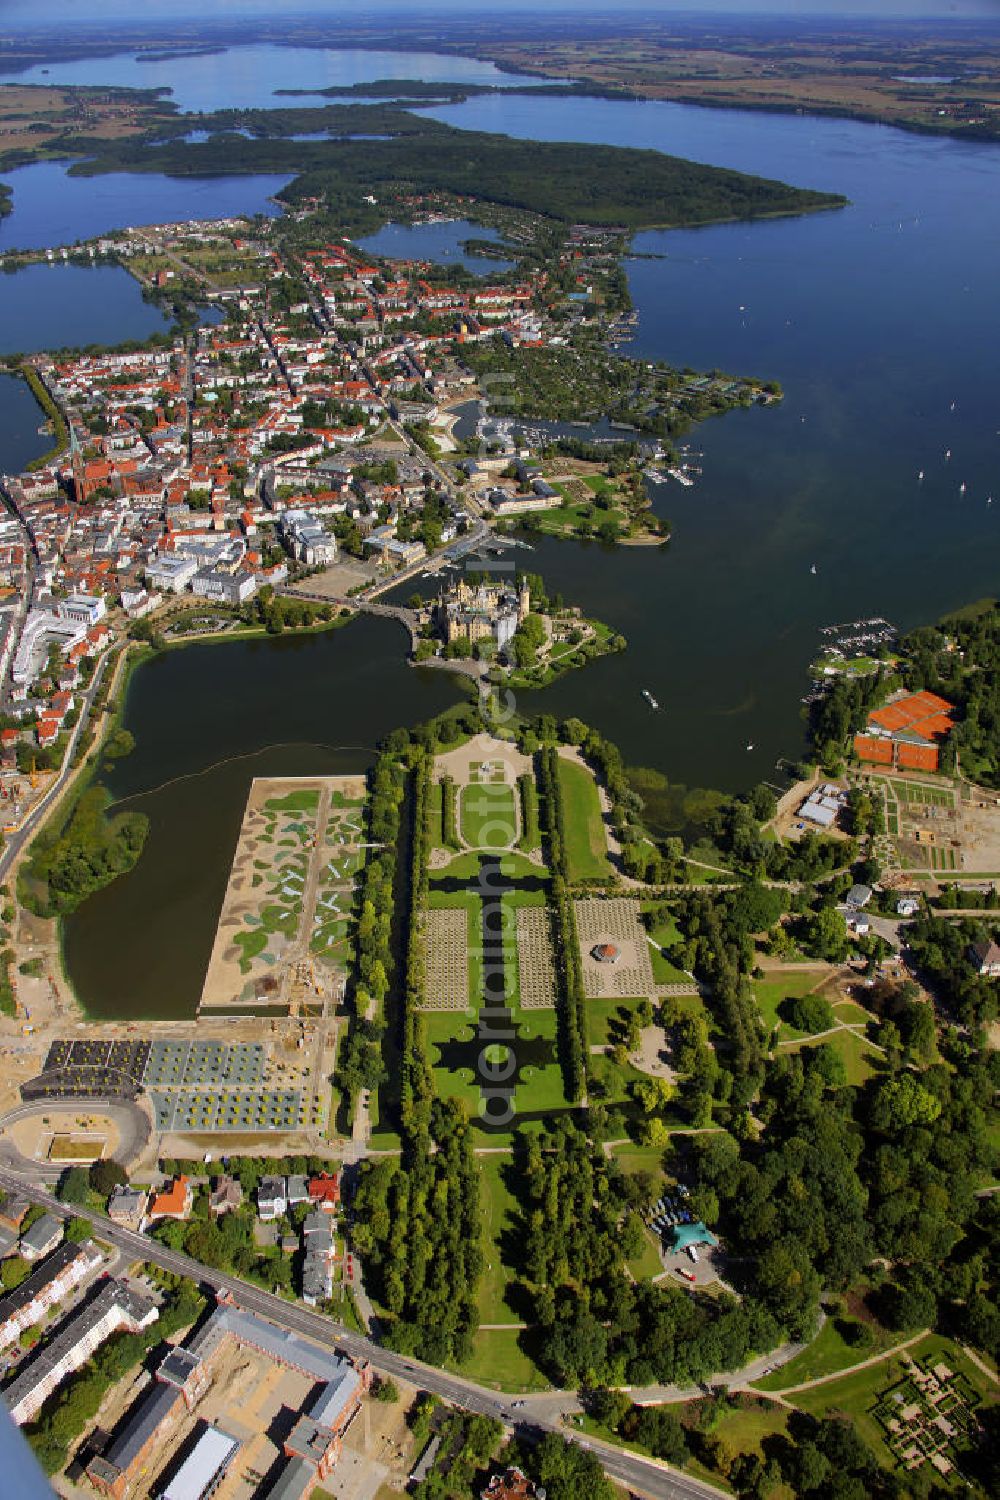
x: 603, y: 185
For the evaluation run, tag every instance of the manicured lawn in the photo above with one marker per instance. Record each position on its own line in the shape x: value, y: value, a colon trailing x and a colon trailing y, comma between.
x: 466, y: 866
x: 586, y: 843
x: 498, y: 1211
x: 600, y: 1016
x: 434, y: 815
x: 499, y: 1361
x: 827, y: 1353
x: 611, y: 1079
x: 744, y: 1431
x: 648, y: 1264
x: 539, y: 1087
x: 852, y: 1013
x: 648, y: 1159
x: 771, y: 992
x: 488, y: 816
x: 301, y: 801
x: 856, y: 1394
x: 860, y: 1059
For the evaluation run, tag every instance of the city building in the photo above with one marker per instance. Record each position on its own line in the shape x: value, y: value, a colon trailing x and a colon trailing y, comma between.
x: 115, y: 1306
x: 226, y: 1196
x: 185, y: 1374
x: 272, y: 1198
x: 139, y: 1439
x: 171, y: 574
x: 512, y: 1484
x: 985, y: 956
x: 43, y: 1236
x: 204, y: 1469
x: 173, y: 1203
x: 306, y: 539
x: 476, y: 612
x: 324, y: 1191
x: 127, y: 1205
x: 221, y: 587
x: 48, y: 1285
x: 297, y: 1190
x: 317, y: 1262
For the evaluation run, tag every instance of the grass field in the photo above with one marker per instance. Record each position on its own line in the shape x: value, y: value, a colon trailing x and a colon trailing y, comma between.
x: 538, y: 1088
x: 499, y: 1360
x: 920, y: 794
x: 586, y: 843
x: 770, y: 993
x: 648, y: 1159
x: 859, y: 1057
x: 499, y: 1215
x: 602, y: 1013
x: 489, y: 816
x: 856, y: 1394
x: 827, y: 1354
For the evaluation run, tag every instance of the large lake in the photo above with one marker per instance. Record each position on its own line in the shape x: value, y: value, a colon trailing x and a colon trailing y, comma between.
x: 881, y: 322
x: 51, y: 207
x: 251, y: 77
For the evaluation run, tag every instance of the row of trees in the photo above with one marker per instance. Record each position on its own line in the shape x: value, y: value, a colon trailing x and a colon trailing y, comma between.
x: 572, y: 1000
x: 722, y: 955
x: 359, y: 1064
x: 418, y: 1228
x: 531, y: 833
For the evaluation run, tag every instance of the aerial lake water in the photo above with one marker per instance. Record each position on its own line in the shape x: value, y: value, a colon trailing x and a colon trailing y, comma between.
x: 62, y: 305
x: 250, y: 77
x: 51, y: 207
x: 441, y: 242
x: 879, y: 320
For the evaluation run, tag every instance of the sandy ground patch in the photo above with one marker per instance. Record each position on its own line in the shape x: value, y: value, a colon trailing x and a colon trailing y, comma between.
x: 336, y: 581
x: 650, y: 1057
x: 282, y: 933
x: 457, y: 763
x: 34, y: 1137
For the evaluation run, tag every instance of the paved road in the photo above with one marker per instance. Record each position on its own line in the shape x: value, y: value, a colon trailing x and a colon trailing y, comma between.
x: 134, y: 1129
x: 645, y: 1476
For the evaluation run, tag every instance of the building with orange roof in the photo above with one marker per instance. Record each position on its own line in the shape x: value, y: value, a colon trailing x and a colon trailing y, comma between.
x: 324, y: 1192
x: 905, y: 732
x: 174, y: 1203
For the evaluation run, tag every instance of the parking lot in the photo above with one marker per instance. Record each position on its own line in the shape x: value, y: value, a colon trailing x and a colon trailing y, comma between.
x: 227, y: 1109
x: 187, y: 1064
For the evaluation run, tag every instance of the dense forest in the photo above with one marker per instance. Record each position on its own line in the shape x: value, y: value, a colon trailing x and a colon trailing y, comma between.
x: 960, y: 660
x: 595, y: 184
x: 420, y: 1233
x: 69, y: 863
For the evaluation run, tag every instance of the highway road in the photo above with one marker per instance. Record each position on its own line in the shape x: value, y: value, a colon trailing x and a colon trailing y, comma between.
x: 644, y: 1476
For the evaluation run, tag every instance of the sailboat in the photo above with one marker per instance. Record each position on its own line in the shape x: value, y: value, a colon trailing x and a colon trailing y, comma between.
x: 961, y: 488
x: 947, y: 454
x: 920, y: 477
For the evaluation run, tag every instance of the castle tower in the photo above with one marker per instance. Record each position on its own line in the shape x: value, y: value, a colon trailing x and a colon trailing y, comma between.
x: 523, y: 602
